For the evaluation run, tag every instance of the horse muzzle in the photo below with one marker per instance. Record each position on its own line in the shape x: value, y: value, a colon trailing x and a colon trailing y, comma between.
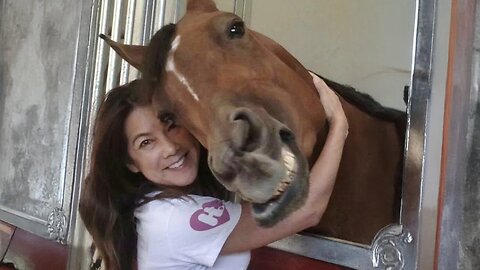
x: 259, y: 159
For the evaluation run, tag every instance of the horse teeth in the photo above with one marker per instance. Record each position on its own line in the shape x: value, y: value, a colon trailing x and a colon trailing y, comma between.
x: 286, y: 152
x: 290, y: 163
x: 288, y: 159
x: 286, y: 181
x: 281, y: 187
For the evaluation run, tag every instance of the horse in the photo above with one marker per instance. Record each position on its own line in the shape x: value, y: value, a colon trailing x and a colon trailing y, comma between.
x: 255, y: 108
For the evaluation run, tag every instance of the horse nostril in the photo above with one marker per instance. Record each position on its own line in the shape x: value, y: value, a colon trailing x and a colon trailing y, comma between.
x: 240, y: 115
x: 246, y: 131
x: 286, y: 135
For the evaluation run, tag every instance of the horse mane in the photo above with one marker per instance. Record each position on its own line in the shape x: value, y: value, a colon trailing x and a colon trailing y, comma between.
x: 366, y: 103
x: 153, y: 66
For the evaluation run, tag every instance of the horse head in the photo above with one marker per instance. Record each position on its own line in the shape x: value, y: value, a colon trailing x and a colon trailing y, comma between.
x: 244, y: 97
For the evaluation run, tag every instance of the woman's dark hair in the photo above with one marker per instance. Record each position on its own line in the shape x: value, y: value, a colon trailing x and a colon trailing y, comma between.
x: 111, y: 192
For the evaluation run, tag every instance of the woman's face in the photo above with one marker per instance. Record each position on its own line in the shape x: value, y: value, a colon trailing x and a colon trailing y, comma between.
x: 164, y: 153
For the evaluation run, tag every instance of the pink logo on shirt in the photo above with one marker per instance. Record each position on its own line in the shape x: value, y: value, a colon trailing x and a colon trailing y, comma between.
x: 211, y: 215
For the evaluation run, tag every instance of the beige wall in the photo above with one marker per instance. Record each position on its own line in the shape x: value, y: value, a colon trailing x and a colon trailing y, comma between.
x: 366, y: 44
x: 227, y: 5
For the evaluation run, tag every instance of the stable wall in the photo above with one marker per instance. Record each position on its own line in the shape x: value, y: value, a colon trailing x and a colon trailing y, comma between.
x: 366, y: 44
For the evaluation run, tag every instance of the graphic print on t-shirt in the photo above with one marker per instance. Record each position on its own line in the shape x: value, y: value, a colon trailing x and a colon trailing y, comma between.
x: 211, y: 215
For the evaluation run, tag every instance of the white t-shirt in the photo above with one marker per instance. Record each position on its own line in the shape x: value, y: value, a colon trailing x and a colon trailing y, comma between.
x: 187, y: 234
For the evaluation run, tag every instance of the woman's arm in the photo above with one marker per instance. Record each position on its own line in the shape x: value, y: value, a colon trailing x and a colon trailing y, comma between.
x: 248, y: 235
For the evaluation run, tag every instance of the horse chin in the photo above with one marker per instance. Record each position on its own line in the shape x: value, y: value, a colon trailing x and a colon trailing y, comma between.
x: 292, y: 198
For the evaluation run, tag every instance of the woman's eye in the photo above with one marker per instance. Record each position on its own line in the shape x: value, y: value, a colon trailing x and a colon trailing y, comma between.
x: 168, y: 119
x: 145, y: 143
x: 171, y: 125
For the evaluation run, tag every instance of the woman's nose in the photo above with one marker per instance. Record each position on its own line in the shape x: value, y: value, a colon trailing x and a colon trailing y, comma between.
x: 168, y: 147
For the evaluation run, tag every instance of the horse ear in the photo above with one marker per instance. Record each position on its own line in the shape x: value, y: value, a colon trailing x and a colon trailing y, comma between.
x: 133, y: 54
x: 201, y: 5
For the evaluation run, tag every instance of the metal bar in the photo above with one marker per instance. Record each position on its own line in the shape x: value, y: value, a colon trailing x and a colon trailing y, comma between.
x: 137, y: 33
x: 100, y: 57
x: 147, y: 23
x: 113, y: 59
x: 180, y: 10
x: 239, y: 7
x: 243, y: 8
x: 139, y: 21
x: 152, y: 12
x: 24, y: 221
x: 417, y: 110
x: 129, y: 23
x: 159, y: 17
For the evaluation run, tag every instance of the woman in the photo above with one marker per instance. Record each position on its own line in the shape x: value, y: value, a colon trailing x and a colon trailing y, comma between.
x: 145, y: 201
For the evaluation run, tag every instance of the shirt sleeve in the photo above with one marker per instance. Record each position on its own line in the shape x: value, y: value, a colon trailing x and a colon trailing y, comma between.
x: 198, y: 229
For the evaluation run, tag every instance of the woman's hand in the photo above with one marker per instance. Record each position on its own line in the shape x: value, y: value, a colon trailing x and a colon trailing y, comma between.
x: 331, y: 104
x: 324, y: 171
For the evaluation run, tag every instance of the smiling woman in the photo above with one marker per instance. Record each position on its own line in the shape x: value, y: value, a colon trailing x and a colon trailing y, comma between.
x: 165, y: 153
x: 130, y: 143
x: 149, y: 187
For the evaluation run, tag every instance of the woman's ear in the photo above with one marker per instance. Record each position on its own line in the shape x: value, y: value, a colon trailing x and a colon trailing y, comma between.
x: 132, y: 168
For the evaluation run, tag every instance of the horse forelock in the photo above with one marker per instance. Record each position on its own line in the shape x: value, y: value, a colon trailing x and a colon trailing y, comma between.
x: 159, y: 57
x: 157, y: 52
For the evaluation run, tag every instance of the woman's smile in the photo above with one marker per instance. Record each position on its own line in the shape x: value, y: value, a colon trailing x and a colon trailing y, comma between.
x: 178, y: 164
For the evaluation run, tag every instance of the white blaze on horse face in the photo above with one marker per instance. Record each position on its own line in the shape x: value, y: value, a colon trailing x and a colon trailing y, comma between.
x: 171, y: 67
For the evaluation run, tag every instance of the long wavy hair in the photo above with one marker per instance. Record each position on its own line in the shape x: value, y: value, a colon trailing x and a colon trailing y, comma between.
x: 111, y: 192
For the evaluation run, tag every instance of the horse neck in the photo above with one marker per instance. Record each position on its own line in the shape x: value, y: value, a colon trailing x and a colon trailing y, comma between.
x: 358, y: 121
x: 368, y: 136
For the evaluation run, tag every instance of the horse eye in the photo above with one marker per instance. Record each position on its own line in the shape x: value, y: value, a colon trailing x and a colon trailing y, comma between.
x: 236, y: 29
